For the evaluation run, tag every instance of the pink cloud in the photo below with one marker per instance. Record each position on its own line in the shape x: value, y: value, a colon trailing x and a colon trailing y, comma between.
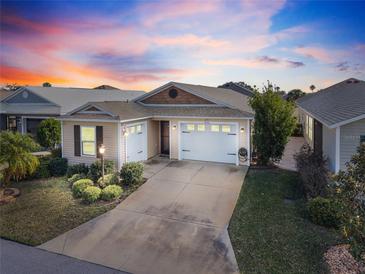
x: 189, y: 40
x: 154, y: 12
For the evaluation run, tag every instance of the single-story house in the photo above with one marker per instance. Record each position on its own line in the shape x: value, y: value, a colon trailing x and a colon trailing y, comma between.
x: 181, y: 121
x: 334, y: 121
x: 22, y: 110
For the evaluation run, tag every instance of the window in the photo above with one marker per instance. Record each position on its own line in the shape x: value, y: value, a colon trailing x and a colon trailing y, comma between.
x: 173, y: 93
x: 131, y: 130
x: 214, y: 128
x: 362, y: 139
x: 310, y: 128
x: 226, y: 128
x: 201, y: 127
x: 12, y: 123
x: 139, y: 128
x: 190, y: 127
x: 88, y: 141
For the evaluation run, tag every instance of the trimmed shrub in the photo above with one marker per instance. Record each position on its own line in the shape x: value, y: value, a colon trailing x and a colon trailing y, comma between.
x: 312, y: 168
x: 58, y: 166
x: 326, y: 212
x: 131, y: 172
x: 109, y: 179
x: 77, y: 169
x: 111, y: 192
x: 79, y: 186
x: 43, y: 168
x: 95, y: 169
x: 91, y: 194
x: 75, y: 178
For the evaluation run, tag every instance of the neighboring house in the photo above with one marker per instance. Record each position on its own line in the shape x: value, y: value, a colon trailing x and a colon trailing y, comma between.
x: 239, y: 87
x: 181, y: 121
x: 23, y: 109
x: 334, y: 121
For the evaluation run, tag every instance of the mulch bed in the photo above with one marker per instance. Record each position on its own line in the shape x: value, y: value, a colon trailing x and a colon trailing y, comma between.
x: 340, y: 261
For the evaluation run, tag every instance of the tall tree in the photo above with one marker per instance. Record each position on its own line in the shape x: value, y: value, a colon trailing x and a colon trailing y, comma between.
x: 312, y: 87
x: 294, y: 95
x: 15, y: 154
x: 46, y: 84
x: 49, y: 133
x: 274, y: 123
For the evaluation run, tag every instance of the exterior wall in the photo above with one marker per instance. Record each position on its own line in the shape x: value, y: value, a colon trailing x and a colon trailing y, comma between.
x: 350, y: 140
x: 182, y: 97
x: 153, y: 138
x: 243, y: 140
x: 329, y: 146
x: 109, y: 140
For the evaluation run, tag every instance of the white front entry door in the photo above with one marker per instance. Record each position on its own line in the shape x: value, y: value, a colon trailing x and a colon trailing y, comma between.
x: 136, y: 142
x: 215, y: 142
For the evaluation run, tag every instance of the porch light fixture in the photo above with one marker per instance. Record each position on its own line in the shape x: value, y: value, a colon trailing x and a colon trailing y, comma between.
x: 242, y: 129
x: 174, y: 127
x: 102, y: 149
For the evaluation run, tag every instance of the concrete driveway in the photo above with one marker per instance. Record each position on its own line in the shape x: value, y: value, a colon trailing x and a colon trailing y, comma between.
x: 175, y: 223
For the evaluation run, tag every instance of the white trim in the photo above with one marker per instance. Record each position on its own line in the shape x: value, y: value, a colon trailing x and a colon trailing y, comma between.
x: 213, y: 122
x: 82, y: 147
x: 248, y: 134
x: 200, y: 117
x: 135, y: 119
x: 88, y: 120
x: 170, y: 130
x: 119, y: 147
x: 39, y: 117
x: 90, y: 104
x: 311, y: 115
x: 62, y: 138
x: 23, y: 129
x: 362, y: 116
x: 338, y: 147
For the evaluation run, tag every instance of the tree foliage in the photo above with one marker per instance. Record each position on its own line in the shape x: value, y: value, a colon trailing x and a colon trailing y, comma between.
x: 350, y: 189
x: 274, y: 123
x: 15, y: 152
x: 46, y: 84
x: 49, y: 133
x: 294, y: 95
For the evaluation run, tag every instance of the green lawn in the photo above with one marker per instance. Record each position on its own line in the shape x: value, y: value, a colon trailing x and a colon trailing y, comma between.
x: 273, y: 236
x: 44, y: 210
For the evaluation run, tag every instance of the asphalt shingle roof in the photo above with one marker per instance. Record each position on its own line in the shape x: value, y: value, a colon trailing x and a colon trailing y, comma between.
x: 337, y: 103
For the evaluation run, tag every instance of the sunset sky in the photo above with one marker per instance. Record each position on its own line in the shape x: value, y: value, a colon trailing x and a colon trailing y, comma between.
x: 142, y: 45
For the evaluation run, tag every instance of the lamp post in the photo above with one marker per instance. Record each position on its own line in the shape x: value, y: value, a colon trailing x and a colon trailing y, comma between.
x: 102, y: 151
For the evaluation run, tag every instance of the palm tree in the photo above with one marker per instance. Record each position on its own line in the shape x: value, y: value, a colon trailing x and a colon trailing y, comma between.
x: 312, y: 87
x: 15, y: 155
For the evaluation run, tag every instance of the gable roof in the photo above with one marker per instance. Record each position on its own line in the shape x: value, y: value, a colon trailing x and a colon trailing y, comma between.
x: 133, y: 111
x: 62, y: 96
x: 336, y: 105
x: 237, y: 87
x: 220, y: 96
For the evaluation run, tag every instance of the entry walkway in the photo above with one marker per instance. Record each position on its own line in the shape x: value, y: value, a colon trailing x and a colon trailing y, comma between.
x: 291, y: 148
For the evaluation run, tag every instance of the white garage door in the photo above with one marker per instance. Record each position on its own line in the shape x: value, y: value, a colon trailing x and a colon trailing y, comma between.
x: 209, y: 142
x: 136, y: 140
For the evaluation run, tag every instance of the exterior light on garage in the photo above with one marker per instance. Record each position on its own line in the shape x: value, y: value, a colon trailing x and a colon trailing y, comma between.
x: 174, y: 127
x: 125, y: 131
x: 242, y: 129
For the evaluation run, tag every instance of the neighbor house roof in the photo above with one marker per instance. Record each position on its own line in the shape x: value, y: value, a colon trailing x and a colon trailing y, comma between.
x: 132, y: 111
x: 336, y: 105
x: 238, y: 87
x: 68, y: 99
x: 220, y: 96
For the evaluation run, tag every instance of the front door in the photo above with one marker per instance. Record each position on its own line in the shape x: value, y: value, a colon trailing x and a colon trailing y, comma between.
x: 165, y: 137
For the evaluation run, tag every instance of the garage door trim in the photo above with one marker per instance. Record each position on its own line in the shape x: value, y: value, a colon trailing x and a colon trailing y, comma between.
x: 236, y: 124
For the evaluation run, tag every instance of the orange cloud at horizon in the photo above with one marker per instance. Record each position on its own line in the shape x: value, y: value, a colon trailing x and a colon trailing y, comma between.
x: 19, y: 76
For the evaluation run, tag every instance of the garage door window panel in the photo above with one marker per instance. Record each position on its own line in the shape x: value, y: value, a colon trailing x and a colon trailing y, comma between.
x: 88, y: 141
x: 201, y: 127
x: 214, y: 128
x: 190, y: 127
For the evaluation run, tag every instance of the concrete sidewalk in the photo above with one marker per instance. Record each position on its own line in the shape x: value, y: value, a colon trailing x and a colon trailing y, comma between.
x: 17, y: 258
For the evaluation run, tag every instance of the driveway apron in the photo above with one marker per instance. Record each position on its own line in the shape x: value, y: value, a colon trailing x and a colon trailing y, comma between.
x: 175, y: 223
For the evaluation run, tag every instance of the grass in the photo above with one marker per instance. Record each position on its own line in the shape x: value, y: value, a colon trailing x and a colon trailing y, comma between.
x: 46, y: 209
x: 272, y: 236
